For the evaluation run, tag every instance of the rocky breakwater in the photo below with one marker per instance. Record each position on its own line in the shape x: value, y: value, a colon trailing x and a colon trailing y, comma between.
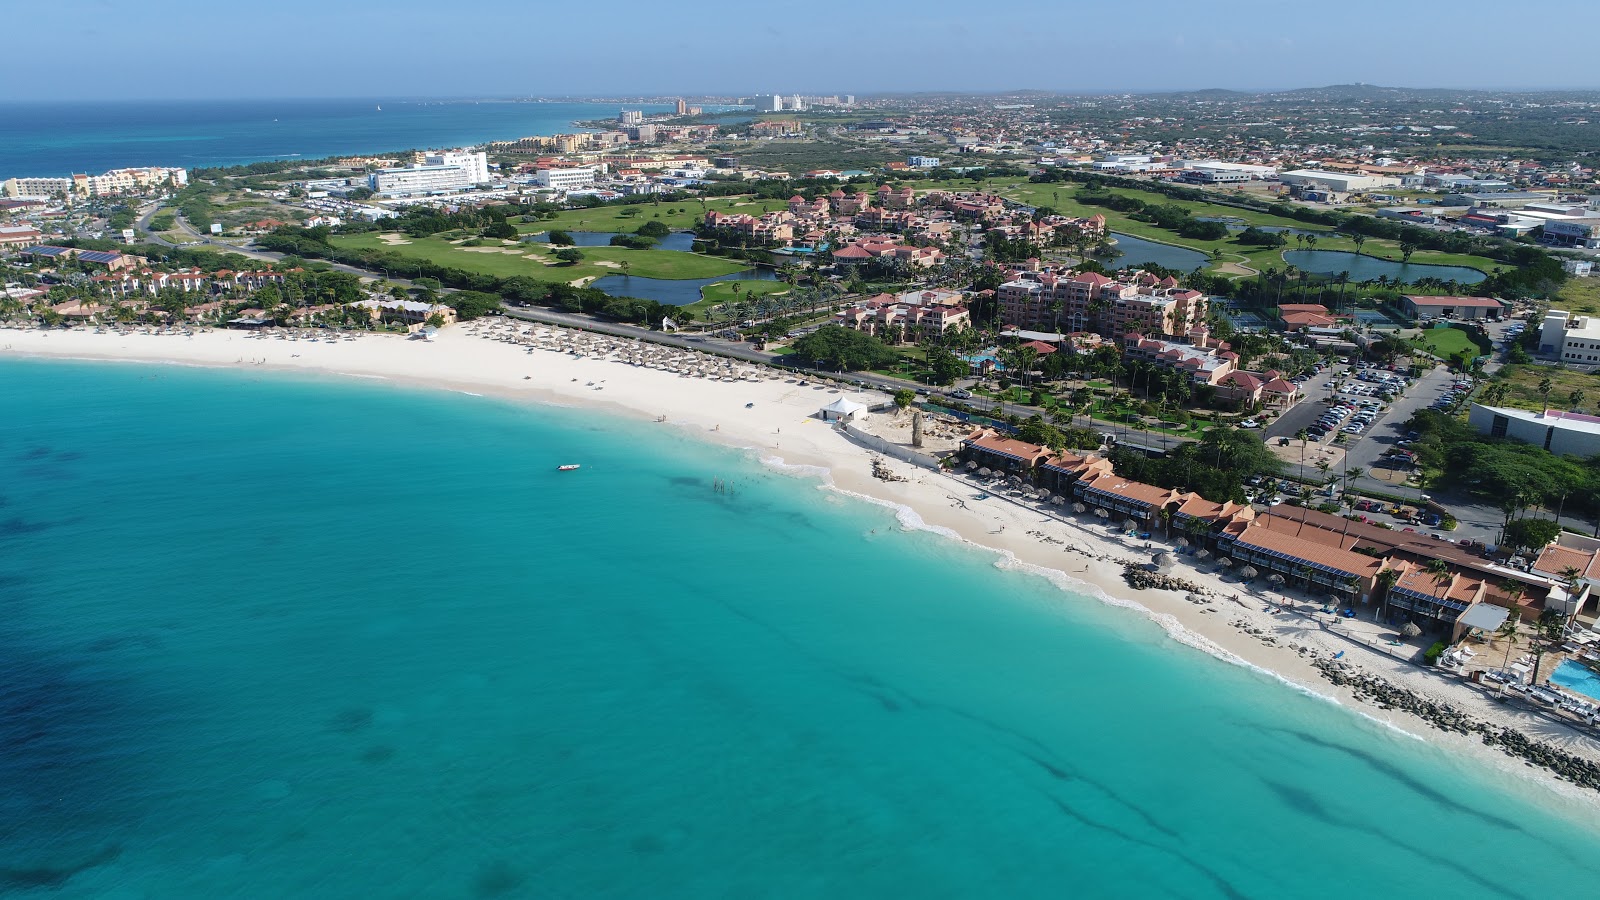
x: 1141, y: 578
x: 1387, y: 695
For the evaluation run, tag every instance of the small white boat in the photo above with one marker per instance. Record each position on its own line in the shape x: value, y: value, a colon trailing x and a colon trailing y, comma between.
x: 567, y: 468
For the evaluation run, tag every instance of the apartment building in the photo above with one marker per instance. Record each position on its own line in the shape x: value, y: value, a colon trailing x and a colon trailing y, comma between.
x: 916, y: 313
x: 36, y: 187
x: 1093, y: 302
x: 566, y: 178
x: 120, y: 182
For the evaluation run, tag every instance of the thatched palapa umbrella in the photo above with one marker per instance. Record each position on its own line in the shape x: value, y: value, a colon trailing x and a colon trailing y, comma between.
x: 1225, y: 562
x: 1079, y: 508
x: 1164, y: 561
x: 1248, y: 573
x: 1410, y: 630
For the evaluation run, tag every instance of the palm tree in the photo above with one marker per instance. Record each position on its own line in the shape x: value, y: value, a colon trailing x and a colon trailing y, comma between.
x: 1359, y: 240
x: 1576, y: 399
x: 1439, y: 569
x: 1384, y: 582
x: 1545, y: 387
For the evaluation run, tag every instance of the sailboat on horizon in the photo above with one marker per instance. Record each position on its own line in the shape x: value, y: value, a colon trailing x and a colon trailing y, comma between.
x: 380, y: 107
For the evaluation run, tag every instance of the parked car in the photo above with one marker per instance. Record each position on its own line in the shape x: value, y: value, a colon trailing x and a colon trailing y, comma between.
x: 1249, y: 423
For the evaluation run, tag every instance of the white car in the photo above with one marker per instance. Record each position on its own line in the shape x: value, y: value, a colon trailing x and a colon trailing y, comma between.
x: 1249, y: 423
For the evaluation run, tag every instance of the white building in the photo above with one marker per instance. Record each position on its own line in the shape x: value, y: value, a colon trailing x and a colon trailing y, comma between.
x: 452, y: 170
x: 1337, y: 182
x: 35, y: 187
x: 1583, y: 233
x: 630, y: 117
x: 1561, y: 433
x: 129, y: 181
x: 923, y: 162
x: 566, y: 179
x: 1571, y: 339
x: 1217, y: 167
x: 1578, y: 268
x: 474, y: 163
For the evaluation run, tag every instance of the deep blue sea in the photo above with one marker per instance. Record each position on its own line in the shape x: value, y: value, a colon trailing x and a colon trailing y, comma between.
x: 55, y: 139
x: 271, y: 637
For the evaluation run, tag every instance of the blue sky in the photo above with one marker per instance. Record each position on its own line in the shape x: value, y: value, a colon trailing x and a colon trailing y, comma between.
x: 110, y: 49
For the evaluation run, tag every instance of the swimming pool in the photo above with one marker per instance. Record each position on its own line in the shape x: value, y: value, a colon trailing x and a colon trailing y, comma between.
x: 1577, y: 677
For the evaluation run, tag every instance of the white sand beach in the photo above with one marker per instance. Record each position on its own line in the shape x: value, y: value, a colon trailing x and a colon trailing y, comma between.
x: 773, y: 414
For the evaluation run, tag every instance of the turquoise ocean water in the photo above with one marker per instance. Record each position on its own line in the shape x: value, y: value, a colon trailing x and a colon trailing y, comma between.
x: 265, y: 637
x: 54, y: 139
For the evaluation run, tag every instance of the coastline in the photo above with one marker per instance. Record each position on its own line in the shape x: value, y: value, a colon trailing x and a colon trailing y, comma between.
x: 1076, y: 556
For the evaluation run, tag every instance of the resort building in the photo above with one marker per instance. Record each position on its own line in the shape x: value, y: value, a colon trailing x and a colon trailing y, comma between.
x: 36, y: 187
x: 119, y: 182
x: 1093, y: 302
x: 914, y: 313
x: 1124, y: 498
x: 1205, y: 365
x: 411, y: 313
x: 864, y: 250
x: 1437, y: 584
x: 1299, y: 561
x: 1002, y: 454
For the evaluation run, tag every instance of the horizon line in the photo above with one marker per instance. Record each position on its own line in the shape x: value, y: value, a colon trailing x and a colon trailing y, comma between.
x: 871, y: 94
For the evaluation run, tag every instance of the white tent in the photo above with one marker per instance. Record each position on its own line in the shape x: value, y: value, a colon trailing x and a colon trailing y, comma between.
x: 841, y: 410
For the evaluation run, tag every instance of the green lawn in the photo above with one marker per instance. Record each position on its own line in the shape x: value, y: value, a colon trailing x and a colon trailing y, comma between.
x: 724, y: 291
x: 680, y: 216
x: 505, y: 259
x: 1447, y: 342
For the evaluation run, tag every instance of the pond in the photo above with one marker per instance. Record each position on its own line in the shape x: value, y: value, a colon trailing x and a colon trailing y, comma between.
x: 1367, y: 268
x: 674, y: 292
x: 1138, y: 251
x: 678, y: 240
